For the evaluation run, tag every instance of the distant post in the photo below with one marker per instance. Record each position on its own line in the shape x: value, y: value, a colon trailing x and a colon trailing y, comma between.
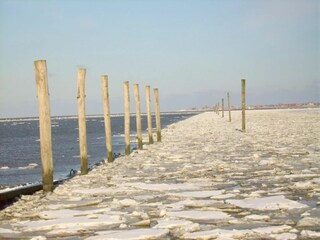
x: 40, y: 68
x: 228, y: 95
x: 126, y: 116
x: 218, y: 109
x: 222, y: 107
x: 243, y: 98
x: 82, y: 122
x: 157, y: 108
x: 138, y: 114
x: 149, y: 117
x: 107, y: 120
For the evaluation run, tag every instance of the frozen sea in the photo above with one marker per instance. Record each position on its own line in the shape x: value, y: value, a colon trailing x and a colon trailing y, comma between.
x: 206, y: 180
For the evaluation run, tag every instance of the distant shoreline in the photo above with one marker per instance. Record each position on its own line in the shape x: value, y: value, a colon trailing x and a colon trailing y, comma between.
x: 185, y: 111
x: 265, y: 107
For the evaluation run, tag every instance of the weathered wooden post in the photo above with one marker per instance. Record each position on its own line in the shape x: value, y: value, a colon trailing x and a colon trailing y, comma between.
x: 243, y: 98
x: 149, y: 116
x: 126, y: 116
x: 218, y: 109
x: 138, y: 114
x: 228, y: 95
x: 40, y: 68
x: 107, y: 121
x: 222, y: 107
x: 82, y: 122
x: 157, y: 108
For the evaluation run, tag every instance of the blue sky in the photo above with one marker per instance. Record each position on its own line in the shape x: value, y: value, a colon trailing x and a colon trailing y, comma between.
x: 194, y: 51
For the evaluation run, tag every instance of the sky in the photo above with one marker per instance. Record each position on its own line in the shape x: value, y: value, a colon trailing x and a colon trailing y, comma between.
x: 194, y: 51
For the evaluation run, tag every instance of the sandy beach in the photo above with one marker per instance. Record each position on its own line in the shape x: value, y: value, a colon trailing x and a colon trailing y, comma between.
x: 205, y: 180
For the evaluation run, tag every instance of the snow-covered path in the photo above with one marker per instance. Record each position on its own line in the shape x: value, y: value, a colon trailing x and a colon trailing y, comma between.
x: 205, y: 180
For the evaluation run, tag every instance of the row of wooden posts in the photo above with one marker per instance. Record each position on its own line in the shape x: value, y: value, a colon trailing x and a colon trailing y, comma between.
x: 216, y: 108
x: 45, y: 120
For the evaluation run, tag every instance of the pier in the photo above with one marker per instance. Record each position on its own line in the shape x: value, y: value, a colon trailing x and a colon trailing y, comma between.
x: 206, y: 179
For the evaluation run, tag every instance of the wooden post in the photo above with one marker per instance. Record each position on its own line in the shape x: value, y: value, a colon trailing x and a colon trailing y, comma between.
x: 157, y: 108
x: 126, y: 116
x: 40, y: 68
x: 82, y: 122
x: 148, y: 104
x: 222, y: 107
x: 138, y: 114
x: 218, y: 109
x: 228, y: 95
x: 243, y: 98
x: 107, y: 121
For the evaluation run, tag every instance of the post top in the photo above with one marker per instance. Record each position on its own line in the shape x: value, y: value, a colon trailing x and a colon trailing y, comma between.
x: 40, y: 62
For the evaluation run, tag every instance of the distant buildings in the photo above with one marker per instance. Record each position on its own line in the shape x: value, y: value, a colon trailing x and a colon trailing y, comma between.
x: 268, y: 106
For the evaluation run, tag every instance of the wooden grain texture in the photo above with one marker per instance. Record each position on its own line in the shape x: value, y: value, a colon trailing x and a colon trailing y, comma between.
x: 41, y: 76
x: 82, y: 121
x: 222, y: 107
x: 138, y: 114
x: 243, y: 103
x: 229, y: 106
x: 107, y: 120
x: 149, y: 116
x: 157, y: 108
x: 126, y: 116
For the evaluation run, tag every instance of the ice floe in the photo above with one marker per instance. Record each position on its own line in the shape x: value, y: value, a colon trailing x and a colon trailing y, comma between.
x: 267, y: 203
x: 135, y: 234
x: 195, y: 215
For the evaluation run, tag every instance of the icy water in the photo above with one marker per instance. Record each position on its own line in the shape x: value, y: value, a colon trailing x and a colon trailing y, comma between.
x: 20, y: 147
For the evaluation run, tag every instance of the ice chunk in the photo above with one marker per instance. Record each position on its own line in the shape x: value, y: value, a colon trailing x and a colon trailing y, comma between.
x: 8, y: 233
x: 70, y: 222
x: 63, y: 213
x: 255, y: 217
x: 74, y: 204
x: 148, y: 233
x: 285, y: 236
x: 169, y: 224
x: 217, y: 233
x: 310, y: 234
x: 203, y: 216
x: 198, y: 194
x: 309, y: 222
x: 224, y: 196
x: 272, y: 229
x: 163, y: 186
x: 267, y: 203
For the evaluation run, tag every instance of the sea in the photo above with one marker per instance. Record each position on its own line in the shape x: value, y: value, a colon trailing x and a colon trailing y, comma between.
x: 20, y: 162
